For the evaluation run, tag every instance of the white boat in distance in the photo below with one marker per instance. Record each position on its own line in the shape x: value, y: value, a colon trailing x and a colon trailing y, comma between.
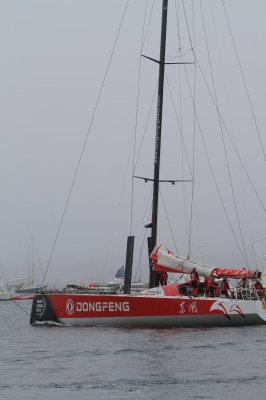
x: 4, y: 296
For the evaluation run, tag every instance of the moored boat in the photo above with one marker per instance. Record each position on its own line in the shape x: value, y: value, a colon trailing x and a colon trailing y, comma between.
x: 4, y: 296
x: 28, y: 289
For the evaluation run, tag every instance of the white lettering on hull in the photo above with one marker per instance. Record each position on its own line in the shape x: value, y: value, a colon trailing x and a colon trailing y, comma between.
x: 102, y: 306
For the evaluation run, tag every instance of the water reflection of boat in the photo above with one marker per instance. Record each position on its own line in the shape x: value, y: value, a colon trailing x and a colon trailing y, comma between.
x: 165, y: 305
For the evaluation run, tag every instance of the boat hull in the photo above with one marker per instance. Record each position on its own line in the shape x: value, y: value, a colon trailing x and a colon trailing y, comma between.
x: 28, y: 290
x: 144, y: 311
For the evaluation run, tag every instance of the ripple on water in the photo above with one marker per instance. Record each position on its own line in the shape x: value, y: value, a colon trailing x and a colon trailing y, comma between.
x: 114, y: 363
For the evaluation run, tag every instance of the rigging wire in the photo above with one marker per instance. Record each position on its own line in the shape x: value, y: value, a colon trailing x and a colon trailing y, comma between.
x: 222, y: 135
x: 177, y: 55
x: 20, y: 307
x: 211, y: 169
x: 251, y: 239
x: 244, y: 81
x: 194, y: 138
x: 37, y: 254
x: 136, y: 122
x: 231, y: 140
x: 177, y: 13
x: 194, y: 117
x: 144, y: 218
x: 149, y: 22
x: 188, y: 30
x: 168, y: 220
x: 126, y: 169
x: 127, y: 163
x: 179, y: 125
x: 146, y: 126
x: 145, y: 231
x: 182, y: 139
x: 194, y: 120
x: 116, y: 214
x: 85, y: 142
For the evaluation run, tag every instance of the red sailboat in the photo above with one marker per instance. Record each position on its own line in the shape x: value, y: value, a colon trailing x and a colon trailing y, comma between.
x: 169, y: 305
x: 207, y: 303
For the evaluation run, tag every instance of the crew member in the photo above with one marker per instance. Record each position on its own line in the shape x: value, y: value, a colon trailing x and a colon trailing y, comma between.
x: 243, y: 283
x: 241, y: 288
x: 259, y: 289
x: 194, y: 281
x: 207, y: 286
x: 163, y: 278
x: 225, y: 290
x: 210, y: 287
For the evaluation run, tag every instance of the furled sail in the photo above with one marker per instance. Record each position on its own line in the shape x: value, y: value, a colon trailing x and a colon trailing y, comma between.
x: 164, y: 260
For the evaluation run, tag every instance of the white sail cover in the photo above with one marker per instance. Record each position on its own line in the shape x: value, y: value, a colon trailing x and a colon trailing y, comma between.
x: 164, y: 260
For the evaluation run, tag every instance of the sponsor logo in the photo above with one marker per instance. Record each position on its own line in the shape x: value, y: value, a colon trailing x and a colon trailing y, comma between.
x: 96, y: 306
x: 40, y: 307
x: 70, y: 307
x: 182, y: 308
x: 191, y: 309
x: 227, y: 309
x: 102, y: 306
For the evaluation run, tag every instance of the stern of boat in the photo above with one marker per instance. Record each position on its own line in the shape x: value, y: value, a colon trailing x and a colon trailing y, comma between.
x: 42, y: 310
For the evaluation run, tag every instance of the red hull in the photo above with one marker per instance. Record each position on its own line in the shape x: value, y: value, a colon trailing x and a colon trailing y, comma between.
x: 145, y: 310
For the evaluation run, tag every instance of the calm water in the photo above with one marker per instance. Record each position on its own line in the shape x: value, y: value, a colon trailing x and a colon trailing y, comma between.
x: 111, y: 363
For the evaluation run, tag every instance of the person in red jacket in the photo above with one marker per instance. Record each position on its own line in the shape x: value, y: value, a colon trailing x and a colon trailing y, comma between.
x: 259, y: 288
x: 225, y: 290
x: 210, y: 287
x: 194, y: 281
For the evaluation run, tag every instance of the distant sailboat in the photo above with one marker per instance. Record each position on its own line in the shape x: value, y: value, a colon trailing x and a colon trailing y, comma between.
x: 119, y: 281
x: 120, y: 272
x: 4, y: 294
x: 27, y: 285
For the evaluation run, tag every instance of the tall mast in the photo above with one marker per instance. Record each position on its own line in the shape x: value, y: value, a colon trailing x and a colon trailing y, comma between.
x: 154, y: 279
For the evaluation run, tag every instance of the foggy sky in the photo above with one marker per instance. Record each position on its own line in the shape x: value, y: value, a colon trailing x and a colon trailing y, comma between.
x: 53, y: 58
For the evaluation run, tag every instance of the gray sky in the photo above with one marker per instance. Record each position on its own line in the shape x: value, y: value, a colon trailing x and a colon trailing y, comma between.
x: 53, y: 58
